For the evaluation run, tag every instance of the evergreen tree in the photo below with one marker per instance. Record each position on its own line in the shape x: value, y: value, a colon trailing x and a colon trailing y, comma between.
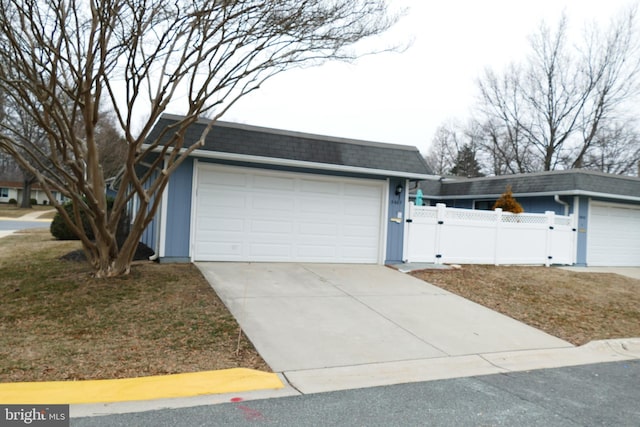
x: 466, y: 163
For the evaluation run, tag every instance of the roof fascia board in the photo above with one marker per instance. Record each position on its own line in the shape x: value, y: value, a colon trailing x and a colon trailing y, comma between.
x: 219, y: 155
x: 543, y: 194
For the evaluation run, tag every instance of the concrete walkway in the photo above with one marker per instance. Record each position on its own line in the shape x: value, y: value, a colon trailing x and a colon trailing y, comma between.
x: 632, y: 272
x: 328, y: 327
x: 31, y: 216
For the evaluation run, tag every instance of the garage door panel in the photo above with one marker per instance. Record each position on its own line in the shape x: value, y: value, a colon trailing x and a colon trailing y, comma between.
x: 613, y: 238
x: 224, y: 179
x: 271, y: 227
x: 280, y: 216
x: 361, y: 191
x: 268, y: 203
x: 356, y: 208
x: 329, y: 230
x: 223, y: 251
x: 358, y: 230
x: 310, y: 252
x: 358, y: 254
x: 265, y: 250
x: 319, y: 187
x: 214, y: 198
x: 353, y: 219
x: 271, y: 183
x: 221, y: 225
x: 320, y: 207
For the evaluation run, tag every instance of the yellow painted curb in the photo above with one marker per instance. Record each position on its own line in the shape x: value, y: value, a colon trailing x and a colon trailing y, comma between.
x: 143, y: 388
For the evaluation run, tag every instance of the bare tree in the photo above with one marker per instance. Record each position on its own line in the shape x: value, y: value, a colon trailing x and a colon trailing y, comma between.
x: 555, y: 91
x: 612, y: 58
x: 503, y: 110
x: 615, y: 149
x: 112, y: 147
x: 546, y: 113
x: 65, y: 62
x: 9, y: 170
x: 24, y: 131
x: 444, y: 149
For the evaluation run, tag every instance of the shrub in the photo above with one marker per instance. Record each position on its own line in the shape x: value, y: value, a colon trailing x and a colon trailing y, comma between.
x: 59, y: 228
x: 61, y: 231
x: 13, y: 202
x: 508, y: 203
x: 33, y: 201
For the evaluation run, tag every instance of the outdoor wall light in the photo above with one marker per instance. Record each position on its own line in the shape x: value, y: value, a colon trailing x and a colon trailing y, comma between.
x: 398, y: 190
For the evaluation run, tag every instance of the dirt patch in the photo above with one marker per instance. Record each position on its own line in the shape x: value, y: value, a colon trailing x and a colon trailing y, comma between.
x: 57, y: 322
x: 577, y: 307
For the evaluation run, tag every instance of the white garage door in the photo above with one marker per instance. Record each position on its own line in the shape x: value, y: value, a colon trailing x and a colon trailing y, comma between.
x: 613, y: 237
x: 245, y: 214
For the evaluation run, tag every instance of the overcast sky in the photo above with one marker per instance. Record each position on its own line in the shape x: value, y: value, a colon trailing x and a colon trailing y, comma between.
x: 403, y: 97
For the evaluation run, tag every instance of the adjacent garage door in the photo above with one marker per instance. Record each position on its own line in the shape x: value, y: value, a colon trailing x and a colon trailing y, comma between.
x: 244, y: 214
x: 613, y: 237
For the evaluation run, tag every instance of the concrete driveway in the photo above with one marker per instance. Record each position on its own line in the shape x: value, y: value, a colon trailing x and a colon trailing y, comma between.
x: 315, y: 316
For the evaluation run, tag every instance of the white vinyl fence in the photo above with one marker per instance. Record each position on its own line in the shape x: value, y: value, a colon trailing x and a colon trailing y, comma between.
x: 439, y: 235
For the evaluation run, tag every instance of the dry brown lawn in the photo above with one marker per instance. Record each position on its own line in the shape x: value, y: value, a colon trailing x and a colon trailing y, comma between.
x: 59, y: 323
x: 577, y: 307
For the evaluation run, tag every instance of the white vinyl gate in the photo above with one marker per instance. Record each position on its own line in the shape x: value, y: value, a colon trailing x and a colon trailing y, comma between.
x: 447, y: 235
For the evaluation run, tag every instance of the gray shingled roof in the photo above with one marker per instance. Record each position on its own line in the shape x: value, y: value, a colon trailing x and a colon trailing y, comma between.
x: 242, y: 139
x: 569, y: 182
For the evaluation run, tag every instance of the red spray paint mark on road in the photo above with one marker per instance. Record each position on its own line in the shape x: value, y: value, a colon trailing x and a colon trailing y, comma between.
x: 236, y: 399
x: 251, y: 414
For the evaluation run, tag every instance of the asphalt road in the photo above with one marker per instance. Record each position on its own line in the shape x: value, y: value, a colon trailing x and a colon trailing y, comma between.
x: 9, y: 224
x: 591, y: 395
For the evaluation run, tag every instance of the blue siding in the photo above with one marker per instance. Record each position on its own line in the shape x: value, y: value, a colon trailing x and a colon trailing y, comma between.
x: 583, y: 227
x: 460, y: 204
x: 395, y: 230
x: 150, y: 234
x: 543, y: 204
x: 538, y: 204
x: 178, y: 220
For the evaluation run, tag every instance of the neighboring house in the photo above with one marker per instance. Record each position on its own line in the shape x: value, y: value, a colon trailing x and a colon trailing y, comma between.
x: 13, y: 190
x: 607, y: 206
x: 259, y: 194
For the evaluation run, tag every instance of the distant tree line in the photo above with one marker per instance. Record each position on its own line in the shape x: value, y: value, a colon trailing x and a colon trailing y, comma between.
x: 567, y: 105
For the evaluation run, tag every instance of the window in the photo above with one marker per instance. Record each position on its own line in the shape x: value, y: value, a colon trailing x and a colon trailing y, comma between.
x: 4, y: 193
x: 484, y: 205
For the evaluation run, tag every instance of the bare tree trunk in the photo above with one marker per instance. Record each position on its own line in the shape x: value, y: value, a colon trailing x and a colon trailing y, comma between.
x: 27, y: 183
x: 25, y: 203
